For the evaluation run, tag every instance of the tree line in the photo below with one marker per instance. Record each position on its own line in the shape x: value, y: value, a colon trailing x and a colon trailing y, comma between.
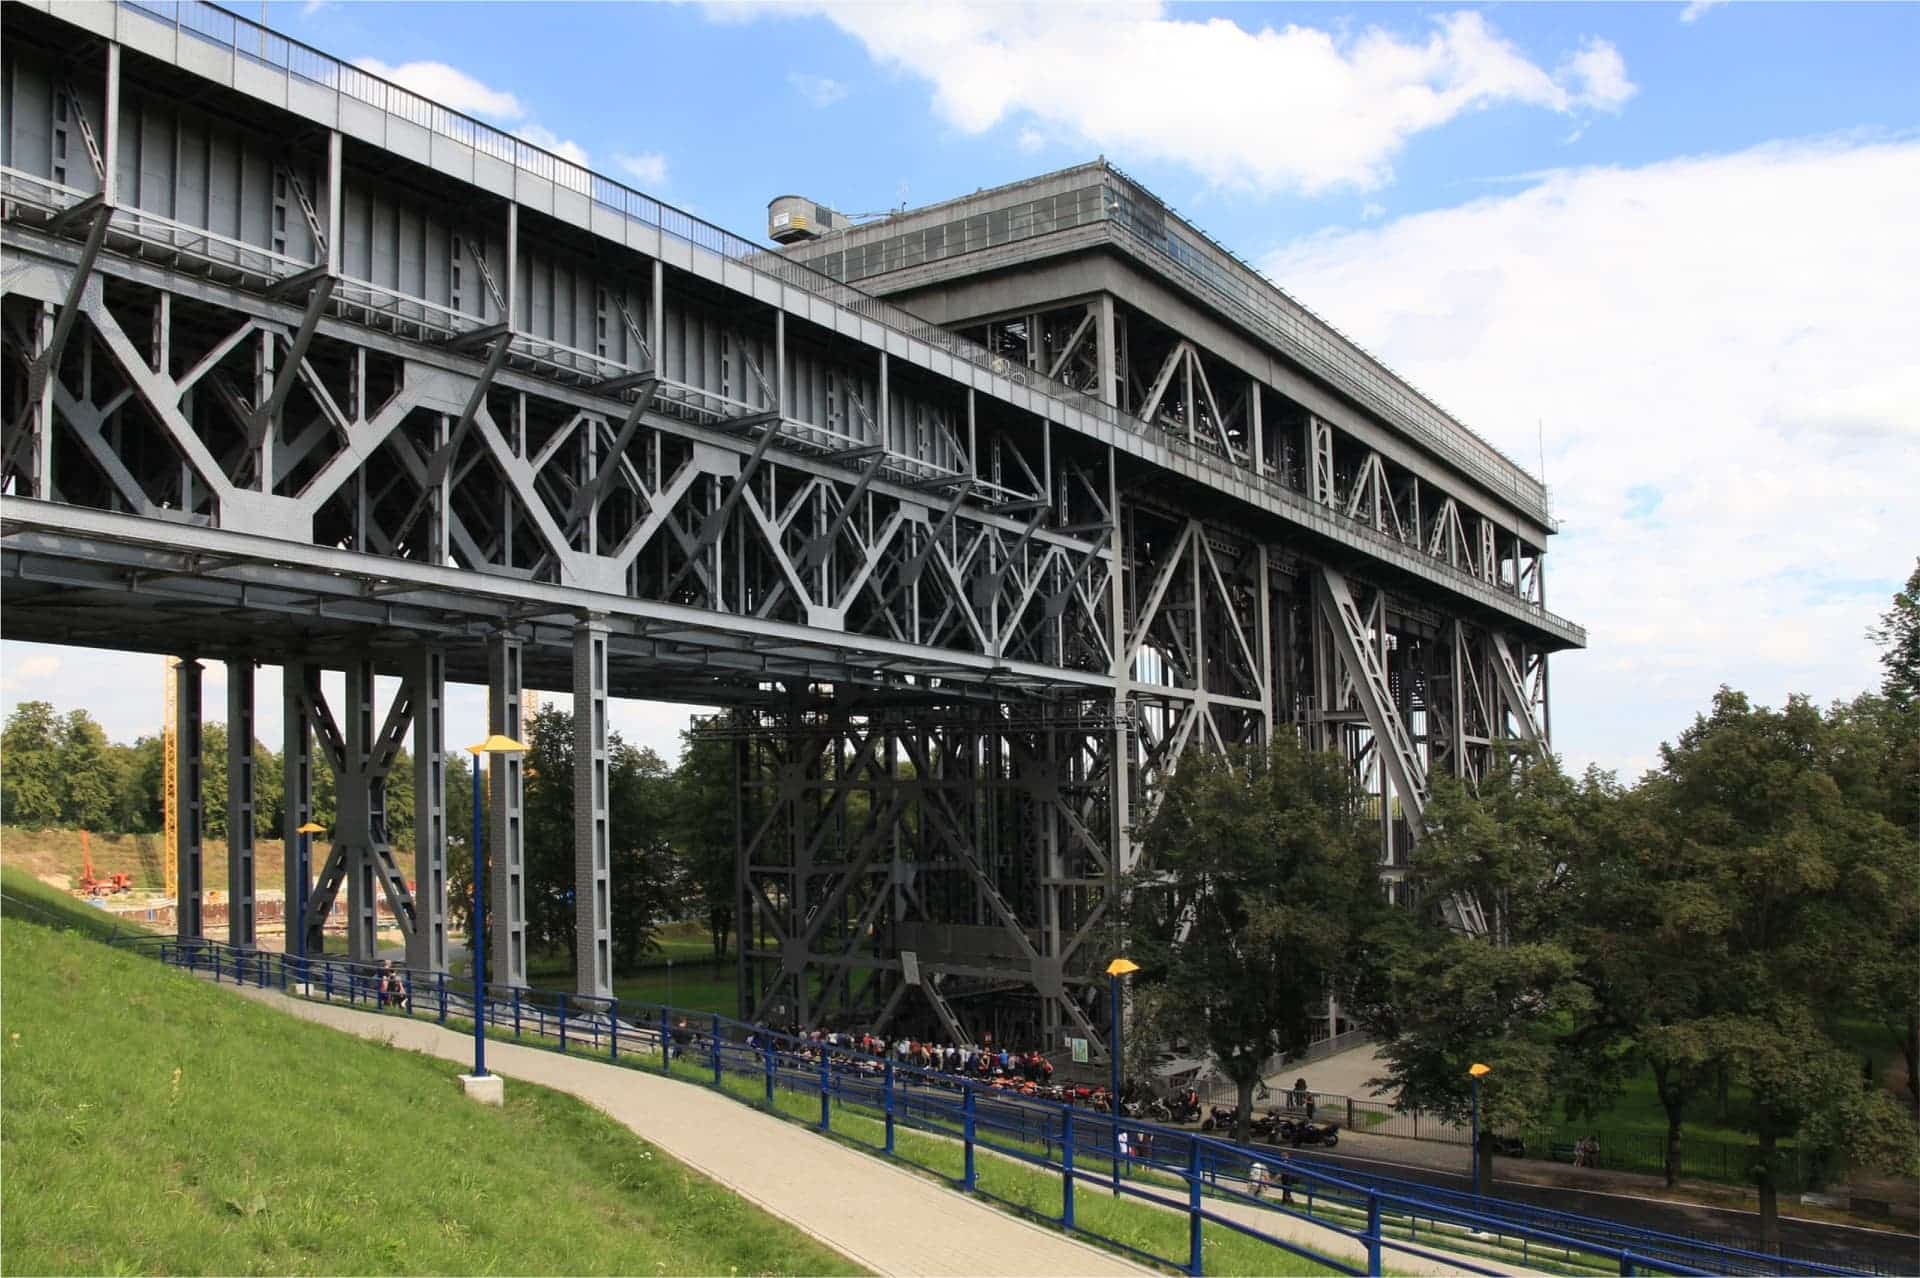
x: 1713, y: 923
x: 62, y: 772
x: 672, y: 828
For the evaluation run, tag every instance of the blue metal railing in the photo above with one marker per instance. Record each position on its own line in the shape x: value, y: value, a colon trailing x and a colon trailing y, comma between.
x: 1171, y: 1168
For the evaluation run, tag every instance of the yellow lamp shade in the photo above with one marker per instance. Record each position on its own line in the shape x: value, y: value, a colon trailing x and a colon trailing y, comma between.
x: 311, y: 827
x: 1478, y: 1070
x: 498, y: 744
x: 1122, y: 966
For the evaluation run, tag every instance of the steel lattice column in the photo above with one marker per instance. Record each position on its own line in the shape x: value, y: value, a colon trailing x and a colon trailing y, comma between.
x: 240, y: 803
x: 360, y: 809
x: 427, y: 680
x: 186, y: 783
x: 296, y: 767
x: 507, y: 856
x: 592, y: 881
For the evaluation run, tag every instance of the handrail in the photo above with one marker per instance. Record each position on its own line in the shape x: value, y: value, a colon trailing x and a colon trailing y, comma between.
x: 983, y: 1117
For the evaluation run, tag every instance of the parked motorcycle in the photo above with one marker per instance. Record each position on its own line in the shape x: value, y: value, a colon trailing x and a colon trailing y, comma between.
x: 1183, y: 1108
x: 1259, y: 1126
x: 1297, y: 1132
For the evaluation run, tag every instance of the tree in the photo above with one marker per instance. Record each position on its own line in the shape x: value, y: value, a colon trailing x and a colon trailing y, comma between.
x: 640, y: 805
x: 1784, y: 865
x: 267, y: 786
x: 1651, y: 982
x: 647, y: 881
x: 547, y: 822
x: 139, y: 801
x: 1442, y: 1000
x: 1898, y: 634
x: 703, y: 829
x: 1875, y: 760
x: 87, y: 776
x: 30, y: 786
x: 1263, y: 878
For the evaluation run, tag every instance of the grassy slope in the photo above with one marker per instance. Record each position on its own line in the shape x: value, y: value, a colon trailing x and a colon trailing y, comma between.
x: 57, y: 852
x: 154, y: 1124
x: 29, y: 898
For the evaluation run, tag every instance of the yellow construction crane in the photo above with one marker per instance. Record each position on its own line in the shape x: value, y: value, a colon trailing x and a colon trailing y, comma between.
x: 169, y: 774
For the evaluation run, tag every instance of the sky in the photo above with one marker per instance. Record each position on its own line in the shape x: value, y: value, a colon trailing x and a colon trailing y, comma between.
x: 1663, y: 253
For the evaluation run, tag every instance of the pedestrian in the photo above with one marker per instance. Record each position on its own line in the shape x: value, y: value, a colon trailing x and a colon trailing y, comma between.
x: 1287, y: 1180
x: 1257, y: 1180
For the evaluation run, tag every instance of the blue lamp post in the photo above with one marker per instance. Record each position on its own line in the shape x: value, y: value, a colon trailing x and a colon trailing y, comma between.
x: 1115, y: 970
x: 495, y: 744
x: 1477, y: 1071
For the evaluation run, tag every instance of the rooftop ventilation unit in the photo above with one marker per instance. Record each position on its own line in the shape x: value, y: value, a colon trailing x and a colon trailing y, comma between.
x: 793, y: 219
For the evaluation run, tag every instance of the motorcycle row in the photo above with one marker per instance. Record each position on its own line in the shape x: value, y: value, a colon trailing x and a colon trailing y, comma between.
x: 1275, y: 1127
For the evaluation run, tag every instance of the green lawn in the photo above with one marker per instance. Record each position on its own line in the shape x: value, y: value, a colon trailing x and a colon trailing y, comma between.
x: 695, y: 987
x: 153, y: 1124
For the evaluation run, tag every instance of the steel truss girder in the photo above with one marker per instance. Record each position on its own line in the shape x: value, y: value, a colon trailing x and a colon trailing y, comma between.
x: 343, y: 330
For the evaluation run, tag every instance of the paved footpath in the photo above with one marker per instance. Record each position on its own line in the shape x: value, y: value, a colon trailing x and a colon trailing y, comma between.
x: 879, y: 1215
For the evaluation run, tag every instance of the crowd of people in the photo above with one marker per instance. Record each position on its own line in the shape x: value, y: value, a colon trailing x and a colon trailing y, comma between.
x: 1029, y: 1073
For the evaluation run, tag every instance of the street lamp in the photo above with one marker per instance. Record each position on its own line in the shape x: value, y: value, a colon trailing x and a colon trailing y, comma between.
x: 305, y: 863
x: 495, y: 744
x: 1120, y: 967
x: 1476, y: 1072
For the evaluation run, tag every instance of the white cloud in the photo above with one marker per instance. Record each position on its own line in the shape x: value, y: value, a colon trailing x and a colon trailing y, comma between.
x: 1722, y: 345
x: 1601, y: 74
x: 566, y: 148
x: 820, y: 90
x: 1697, y: 7
x: 1031, y: 141
x: 38, y: 668
x: 1292, y: 109
x: 448, y: 86
x: 649, y: 168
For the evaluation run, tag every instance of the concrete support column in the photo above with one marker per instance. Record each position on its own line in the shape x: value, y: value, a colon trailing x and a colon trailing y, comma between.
x: 186, y: 789
x: 512, y: 285
x: 507, y: 868
x: 358, y: 809
x: 296, y: 772
x: 1106, y: 352
x: 335, y: 189
x: 1260, y: 466
x: 110, y: 181
x: 240, y: 803
x: 779, y: 360
x: 592, y: 876
x: 657, y: 316
x: 42, y: 441
x: 427, y: 683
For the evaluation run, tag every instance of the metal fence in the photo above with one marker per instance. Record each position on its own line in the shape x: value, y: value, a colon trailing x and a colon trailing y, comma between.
x: 867, y: 1099
x: 1701, y: 1158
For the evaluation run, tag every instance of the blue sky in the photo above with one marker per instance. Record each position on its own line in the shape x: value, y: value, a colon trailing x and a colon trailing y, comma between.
x: 1669, y: 247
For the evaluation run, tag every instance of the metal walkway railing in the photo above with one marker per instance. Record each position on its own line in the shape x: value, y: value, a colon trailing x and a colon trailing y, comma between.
x: 1170, y: 1168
